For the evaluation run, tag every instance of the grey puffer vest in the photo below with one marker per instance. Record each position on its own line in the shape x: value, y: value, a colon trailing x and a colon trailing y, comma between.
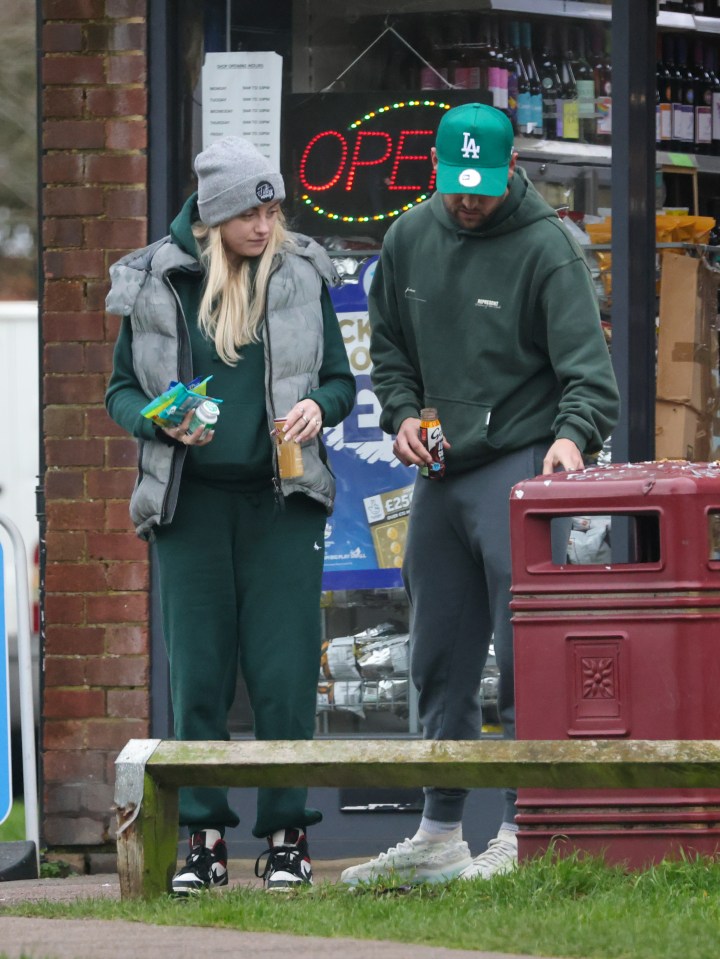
x: 293, y: 340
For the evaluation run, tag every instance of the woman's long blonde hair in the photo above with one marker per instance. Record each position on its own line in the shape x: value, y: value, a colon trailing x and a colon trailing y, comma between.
x: 233, y: 303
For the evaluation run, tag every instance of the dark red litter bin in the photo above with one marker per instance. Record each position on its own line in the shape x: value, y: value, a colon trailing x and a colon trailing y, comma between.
x: 626, y: 646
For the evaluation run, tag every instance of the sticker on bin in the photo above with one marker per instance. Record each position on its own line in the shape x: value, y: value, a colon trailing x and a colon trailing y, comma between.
x: 387, y: 515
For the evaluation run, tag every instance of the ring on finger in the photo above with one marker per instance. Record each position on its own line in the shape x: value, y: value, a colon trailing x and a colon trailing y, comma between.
x: 306, y: 419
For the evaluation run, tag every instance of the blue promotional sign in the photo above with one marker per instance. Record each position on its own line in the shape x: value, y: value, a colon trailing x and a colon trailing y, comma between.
x: 5, y: 767
x: 365, y: 536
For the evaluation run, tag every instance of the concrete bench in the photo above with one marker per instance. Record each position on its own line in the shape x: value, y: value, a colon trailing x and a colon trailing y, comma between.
x: 149, y: 772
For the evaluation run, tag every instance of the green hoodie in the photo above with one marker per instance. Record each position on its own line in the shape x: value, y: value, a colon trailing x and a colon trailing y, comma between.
x: 498, y: 328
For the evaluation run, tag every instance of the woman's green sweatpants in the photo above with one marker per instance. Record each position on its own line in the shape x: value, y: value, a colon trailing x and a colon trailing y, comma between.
x: 240, y: 582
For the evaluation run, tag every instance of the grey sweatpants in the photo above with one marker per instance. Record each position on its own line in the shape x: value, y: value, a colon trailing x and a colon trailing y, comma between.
x: 457, y: 576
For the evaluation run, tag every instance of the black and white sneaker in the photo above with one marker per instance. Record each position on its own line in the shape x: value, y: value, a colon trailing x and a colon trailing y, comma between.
x: 288, y: 862
x: 205, y: 867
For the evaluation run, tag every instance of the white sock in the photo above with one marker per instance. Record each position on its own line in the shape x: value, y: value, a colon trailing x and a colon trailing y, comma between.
x: 433, y: 830
x: 508, y: 827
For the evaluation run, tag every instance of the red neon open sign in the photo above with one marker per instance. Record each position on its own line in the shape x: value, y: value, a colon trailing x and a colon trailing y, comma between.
x: 374, y: 169
x: 364, y: 153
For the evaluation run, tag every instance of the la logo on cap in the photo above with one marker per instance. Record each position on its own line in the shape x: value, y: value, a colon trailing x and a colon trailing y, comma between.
x: 470, y: 148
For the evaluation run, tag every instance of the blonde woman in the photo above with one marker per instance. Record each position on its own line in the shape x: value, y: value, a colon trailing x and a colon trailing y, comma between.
x: 230, y: 293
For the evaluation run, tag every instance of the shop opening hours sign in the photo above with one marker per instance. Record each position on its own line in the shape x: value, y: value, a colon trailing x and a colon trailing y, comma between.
x: 358, y: 161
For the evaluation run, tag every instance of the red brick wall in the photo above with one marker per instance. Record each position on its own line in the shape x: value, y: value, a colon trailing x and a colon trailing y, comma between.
x: 94, y: 169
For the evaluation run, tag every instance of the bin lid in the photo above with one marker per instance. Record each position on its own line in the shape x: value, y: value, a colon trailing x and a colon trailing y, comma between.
x: 623, y: 482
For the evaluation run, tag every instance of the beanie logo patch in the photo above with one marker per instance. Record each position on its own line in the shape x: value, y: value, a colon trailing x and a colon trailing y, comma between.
x: 265, y: 192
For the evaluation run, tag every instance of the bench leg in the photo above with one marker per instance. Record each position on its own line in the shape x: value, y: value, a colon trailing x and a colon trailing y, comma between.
x: 147, y: 846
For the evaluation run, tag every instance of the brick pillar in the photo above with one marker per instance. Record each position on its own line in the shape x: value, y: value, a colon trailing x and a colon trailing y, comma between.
x: 94, y: 169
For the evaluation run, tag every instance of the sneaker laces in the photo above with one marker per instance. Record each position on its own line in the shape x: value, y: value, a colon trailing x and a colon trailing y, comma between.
x: 497, y: 852
x: 201, y: 858
x: 278, y: 857
x: 407, y: 845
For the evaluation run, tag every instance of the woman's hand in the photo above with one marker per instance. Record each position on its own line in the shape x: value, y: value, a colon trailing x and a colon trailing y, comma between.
x: 182, y: 434
x: 304, y: 421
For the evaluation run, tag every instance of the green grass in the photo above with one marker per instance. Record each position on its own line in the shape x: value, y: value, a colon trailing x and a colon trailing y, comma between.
x: 574, y: 907
x: 13, y: 829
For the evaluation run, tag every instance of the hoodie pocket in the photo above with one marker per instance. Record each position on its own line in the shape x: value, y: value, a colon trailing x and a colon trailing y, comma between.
x: 464, y: 422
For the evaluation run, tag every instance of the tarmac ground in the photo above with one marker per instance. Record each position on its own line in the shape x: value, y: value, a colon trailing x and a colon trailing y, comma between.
x: 31, y: 938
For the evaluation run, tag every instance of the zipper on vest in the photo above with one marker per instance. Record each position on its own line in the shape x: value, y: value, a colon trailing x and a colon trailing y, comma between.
x: 178, y: 457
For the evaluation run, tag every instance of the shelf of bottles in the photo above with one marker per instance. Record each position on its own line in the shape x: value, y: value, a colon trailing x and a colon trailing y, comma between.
x: 553, y: 81
x: 688, y: 99
x: 554, y: 78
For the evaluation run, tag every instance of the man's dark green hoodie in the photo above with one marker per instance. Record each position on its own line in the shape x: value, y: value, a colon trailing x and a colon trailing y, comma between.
x: 498, y: 328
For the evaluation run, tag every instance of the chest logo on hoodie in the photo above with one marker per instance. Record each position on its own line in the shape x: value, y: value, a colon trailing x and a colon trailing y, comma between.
x: 488, y: 304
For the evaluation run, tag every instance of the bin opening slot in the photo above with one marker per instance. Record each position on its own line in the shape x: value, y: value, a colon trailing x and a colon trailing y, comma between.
x: 599, y: 540
x: 714, y: 534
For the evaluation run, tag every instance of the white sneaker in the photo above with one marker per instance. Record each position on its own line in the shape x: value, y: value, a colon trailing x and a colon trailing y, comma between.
x: 500, y: 857
x: 415, y: 861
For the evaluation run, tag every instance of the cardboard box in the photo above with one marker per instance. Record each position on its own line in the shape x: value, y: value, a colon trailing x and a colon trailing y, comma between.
x: 687, y: 346
x: 681, y: 433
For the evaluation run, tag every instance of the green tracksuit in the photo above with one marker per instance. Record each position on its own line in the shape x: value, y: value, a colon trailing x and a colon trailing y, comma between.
x: 240, y: 575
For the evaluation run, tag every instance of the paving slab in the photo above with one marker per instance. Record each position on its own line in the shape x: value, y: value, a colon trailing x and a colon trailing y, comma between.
x: 115, y: 939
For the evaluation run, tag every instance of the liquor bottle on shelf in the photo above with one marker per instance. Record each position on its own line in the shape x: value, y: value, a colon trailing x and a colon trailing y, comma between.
x: 462, y: 72
x: 434, y: 69
x: 663, y: 114
x: 585, y: 83
x: 703, y: 101
x: 568, y: 125
x: 498, y: 71
x: 685, y: 127
x: 551, y: 88
x: 673, y: 92
x: 711, y: 63
x: 524, y: 106
x: 481, y: 53
x: 454, y: 43
x: 602, y: 69
x: 517, y: 82
x: 536, y: 127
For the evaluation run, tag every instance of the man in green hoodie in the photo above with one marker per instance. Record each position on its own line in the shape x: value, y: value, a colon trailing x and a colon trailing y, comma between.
x: 482, y: 307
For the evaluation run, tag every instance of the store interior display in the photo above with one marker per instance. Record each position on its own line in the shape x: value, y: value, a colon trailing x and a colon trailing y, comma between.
x: 366, y: 671
x: 369, y: 671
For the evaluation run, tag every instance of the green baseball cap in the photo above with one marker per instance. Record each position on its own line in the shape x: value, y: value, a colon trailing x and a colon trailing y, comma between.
x: 474, y: 147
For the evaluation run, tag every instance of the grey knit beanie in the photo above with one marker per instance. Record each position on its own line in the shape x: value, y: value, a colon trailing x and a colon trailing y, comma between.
x: 233, y: 177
